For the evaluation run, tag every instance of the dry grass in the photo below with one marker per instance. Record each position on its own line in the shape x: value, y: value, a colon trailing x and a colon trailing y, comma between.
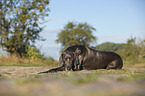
x: 16, y: 61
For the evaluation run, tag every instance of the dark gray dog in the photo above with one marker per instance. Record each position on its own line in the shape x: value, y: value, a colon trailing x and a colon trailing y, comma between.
x: 79, y: 57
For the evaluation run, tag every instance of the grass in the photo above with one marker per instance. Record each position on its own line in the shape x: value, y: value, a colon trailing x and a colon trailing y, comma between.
x: 124, y: 75
x: 85, y: 77
x: 7, y: 73
x: 78, y: 77
x: 75, y: 77
x: 25, y: 79
x: 86, y: 82
x: 140, y: 63
x: 26, y: 62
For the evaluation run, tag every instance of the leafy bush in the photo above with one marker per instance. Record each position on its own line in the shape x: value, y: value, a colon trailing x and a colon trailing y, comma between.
x: 33, y: 53
x: 108, y: 46
x: 131, y: 52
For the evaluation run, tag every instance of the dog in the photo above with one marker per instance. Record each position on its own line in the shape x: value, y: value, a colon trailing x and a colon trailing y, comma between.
x: 79, y: 57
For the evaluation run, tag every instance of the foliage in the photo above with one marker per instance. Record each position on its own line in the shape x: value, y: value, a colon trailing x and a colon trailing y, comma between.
x: 19, y: 23
x: 108, y: 46
x: 132, y: 51
x: 76, y: 34
x: 33, y: 53
x: 50, y: 59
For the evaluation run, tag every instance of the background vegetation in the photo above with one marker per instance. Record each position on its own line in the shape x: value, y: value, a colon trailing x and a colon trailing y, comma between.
x: 131, y: 52
x: 76, y: 34
x: 20, y: 24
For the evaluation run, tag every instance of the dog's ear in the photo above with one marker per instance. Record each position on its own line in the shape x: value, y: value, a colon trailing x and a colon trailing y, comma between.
x: 61, y: 59
x: 76, y: 62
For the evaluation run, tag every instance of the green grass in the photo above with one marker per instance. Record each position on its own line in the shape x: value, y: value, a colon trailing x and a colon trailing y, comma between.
x: 26, y: 81
x: 140, y: 63
x: 7, y: 73
x: 2, y: 77
x: 84, y: 77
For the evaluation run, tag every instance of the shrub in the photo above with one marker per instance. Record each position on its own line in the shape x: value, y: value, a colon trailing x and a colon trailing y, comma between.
x: 33, y: 53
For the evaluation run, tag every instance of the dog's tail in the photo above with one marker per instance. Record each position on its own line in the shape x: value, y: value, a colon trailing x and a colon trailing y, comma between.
x: 61, y: 68
x: 43, y: 72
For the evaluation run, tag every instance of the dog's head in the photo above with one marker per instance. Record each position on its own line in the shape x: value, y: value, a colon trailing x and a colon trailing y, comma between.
x: 70, y: 60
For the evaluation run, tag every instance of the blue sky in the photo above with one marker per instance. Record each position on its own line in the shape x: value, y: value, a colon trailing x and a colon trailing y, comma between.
x: 114, y: 20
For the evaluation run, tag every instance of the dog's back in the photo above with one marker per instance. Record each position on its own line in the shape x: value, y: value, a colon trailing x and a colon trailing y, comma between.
x: 94, y: 59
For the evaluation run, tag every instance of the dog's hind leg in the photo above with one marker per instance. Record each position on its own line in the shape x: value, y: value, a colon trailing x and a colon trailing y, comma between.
x: 111, y: 65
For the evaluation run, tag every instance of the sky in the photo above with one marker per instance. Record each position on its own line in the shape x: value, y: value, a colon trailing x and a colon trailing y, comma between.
x: 114, y: 20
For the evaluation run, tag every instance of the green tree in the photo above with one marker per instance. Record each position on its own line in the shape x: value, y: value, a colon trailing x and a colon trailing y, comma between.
x: 76, y: 34
x: 142, y: 50
x: 20, y: 23
x: 133, y: 51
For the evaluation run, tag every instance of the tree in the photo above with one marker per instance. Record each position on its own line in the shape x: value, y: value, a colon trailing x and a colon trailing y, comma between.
x: 142, y: 50
x: 108, y: 46
x: 132, y: 51
x: 20, y: 23
x: 33, y: 53
x: 76, y: 34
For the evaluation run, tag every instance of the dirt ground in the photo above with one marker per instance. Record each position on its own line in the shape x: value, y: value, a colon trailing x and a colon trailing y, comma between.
x: 24, y: 81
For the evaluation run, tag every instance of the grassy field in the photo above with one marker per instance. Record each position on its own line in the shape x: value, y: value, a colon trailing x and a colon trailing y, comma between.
x: 24, y: 81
